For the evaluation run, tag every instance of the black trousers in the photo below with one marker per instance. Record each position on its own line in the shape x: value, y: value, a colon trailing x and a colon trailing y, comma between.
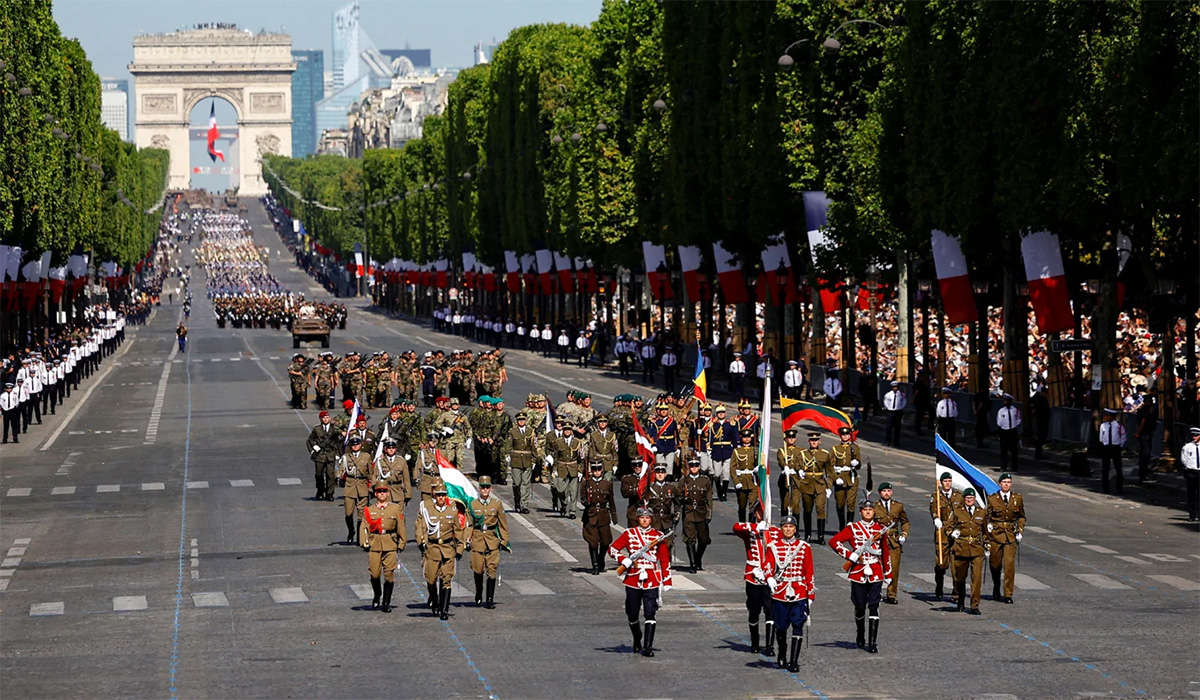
x: 948, y: 429
x: 1008, y: 449
x: 893, y: 428
x: 1110, y: 455
x: 644, y: 598
x: 1191, y: 477
x: 12, y: 424
x: 866, y: 596
x: 758, y: 602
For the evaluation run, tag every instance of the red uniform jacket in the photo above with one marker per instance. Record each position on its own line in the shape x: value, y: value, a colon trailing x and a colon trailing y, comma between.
x: 651, y: 570
x: 875, y: 563
x: 756, y: 549
x: 795, y: 582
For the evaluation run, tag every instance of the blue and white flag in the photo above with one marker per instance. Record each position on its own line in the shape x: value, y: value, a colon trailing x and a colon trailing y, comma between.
x: 963, y: 472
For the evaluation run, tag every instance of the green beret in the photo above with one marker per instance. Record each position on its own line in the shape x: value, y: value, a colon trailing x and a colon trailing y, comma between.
x: 968, y: 492
x: 1004, y: 476
x: 484, y: 399
x: 945, y: 475
x: 885, y: 485
x: 581, y: 395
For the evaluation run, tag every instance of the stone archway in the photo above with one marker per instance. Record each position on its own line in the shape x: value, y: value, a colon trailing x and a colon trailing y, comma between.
x: 253, y: 72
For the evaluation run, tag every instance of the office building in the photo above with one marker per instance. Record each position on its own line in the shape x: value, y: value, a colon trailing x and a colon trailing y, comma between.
x: 114, y: 105
x: 422, y: 59
x: 308, y: 89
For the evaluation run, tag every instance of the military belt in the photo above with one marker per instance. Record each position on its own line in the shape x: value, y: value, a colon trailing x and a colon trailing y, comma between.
x: 444, y: 540
x: 522, y: 452
x: 969, y: 539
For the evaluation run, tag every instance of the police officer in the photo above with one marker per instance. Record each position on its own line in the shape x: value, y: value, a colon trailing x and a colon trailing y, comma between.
x: 324, y: 447
x: 946, y: 413
x: 1005, y: 529
x: 968, y: 522
x: 599, y: 513
x: 383, y: 535
x: 1008, y: 422
x: 894, y: 402
x: 695, y: 493
x: 489, y: 534
x: 1112, y: 441
x: 442, y: 538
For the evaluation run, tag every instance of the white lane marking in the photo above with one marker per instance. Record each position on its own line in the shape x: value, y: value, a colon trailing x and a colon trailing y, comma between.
x: 62, y: 490
x: 214, y: 599
x: 363, y: 591
x: 241, y: 483
x: 717, y: 583
x: 1068, y: 540
x: 927, y: 578
x: 10, y: 563
x: 19, y: 492
x: 154, y: 486
x: 288, y: 481
x: 195, y: 558
x: 1177, y: 581
x: 65, y: 468
x: 108, y: 488
x: 15, y: 552
x: 1134, y: 560
x: 197, y: 484
x: 44, y: 609
x: 273, y: 357
x: 605, y: 584
x: 22, y: 540
x: 235, y: 359
x: 127, y: 603
x: 1026, y: 582
x: 1101, y: 582
x: 129, y: 430
x: 4, y: 584
x: 1039, y: 530
x: 215, y: 359
x: 160, y: 397
x: 7, y: 572
x: 1169, y: 558
x: 83, y: 399
x: 1101, y: 550
x: 554, y: 546
x: 459, y: 592
x: 684, y: 583
x: 289, y: 595
x: 529, y: 587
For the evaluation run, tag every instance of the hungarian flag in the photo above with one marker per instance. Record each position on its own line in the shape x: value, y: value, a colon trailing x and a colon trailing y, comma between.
x: 458, y: 487
x: 829, y: 418
x: 645, y: 450
x: 213, y: 134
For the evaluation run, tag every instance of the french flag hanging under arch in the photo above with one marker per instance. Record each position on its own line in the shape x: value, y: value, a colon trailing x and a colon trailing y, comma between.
x: 213, y: 134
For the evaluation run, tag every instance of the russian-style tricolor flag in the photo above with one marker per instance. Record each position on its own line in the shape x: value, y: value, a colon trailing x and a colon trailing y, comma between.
x: 689, y: 260
x: 816, y: 206
x: 775, y: 256
x: 729, y: 272
x: 957, y: 296
x: 512, y: 272
x: 545, y: 265
x: 213, y: 134
x: 655, y: 256
x: 1047, y: 282
x: 566, y: 280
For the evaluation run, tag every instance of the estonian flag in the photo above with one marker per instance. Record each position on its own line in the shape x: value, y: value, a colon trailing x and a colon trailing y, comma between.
x: 699, y: 380
x: 963, y: 472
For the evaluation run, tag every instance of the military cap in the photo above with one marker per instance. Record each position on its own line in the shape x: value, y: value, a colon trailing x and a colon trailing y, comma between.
x: 945, y: 390
x: 1110, y: 411
x: 747, y: 433
x: 1004, y: 476
x: 895, y: 383
x: 661, y: 406
x: 645, y: 512
x: 581, y: 395
x: 601, y: 418
x: 432, y: 435
x: 322, y: 414
x: 485, y: 482
x: 297, y: 356
x: 1009, y: 397
x: 389, y: 443
x: 439, y: 489
x: 845, y: 430
x: 637, y: 398
x: 9, y: 385
x: 484, y: 399
x: 744, y: 404
x: 787, y: 520
x: 789, y: 433
x: 737, y: 353
x: 968, y: 492
x: 559, y: 419
x: 596, y: 465
x: 814, y: 436
x: 885, y: 485
x: 347, y: 404
x: 399, y: 402
x: 570, y: 393
x: 396, y: 405
x: 706, y: 406
x: 351, y: 354
x: 1194, y: 431
x: 945, y: 475
x: 792, y: 363
x: 660, y: 467
x: 381, y: 486
x: 363, y: 417
x: 356, y: 440
x: 693, y: 461
x: 866, y: 503
x: 521, y: 415
x: 718, y: 409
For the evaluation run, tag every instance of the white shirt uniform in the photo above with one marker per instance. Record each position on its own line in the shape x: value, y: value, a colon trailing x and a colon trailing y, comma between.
x: 833, y: 387
x: 947, y: 408
x: 894, y: 400
x: 737, y: 367
x: 1190, y: 456
x: 669, y: 359
x: 1008, y: 418
x: 793, y: 379
x: 1112, y: 433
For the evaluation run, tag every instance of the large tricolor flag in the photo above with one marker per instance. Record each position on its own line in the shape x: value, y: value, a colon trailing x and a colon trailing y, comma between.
x: 792, y: 411
x: 645, y: 450
x: 566, y: 277
x: 699, y: 379
x: 1047, y: 282
x: 689, y: 260
x: 764, y: 454
x: 729, y: 272
x: 656, y: 257
x: 458, y: 487
x: 512, y: 271
x: 951, y: 265
x: 963, y: 472
x: 775, y: 257
x: 213, y: 134
x: 353, y: 422
x: 816, y: 206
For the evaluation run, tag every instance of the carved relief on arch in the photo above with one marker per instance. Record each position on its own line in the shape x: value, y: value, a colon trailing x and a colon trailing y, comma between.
x: 158, y: 104
x: 267, y: 143
x: 160, y: 141
x: 192, y: 96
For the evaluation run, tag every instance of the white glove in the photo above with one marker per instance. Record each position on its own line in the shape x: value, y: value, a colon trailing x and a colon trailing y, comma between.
x: 887, y: 582
x: 666, y: 587
x: 828, y: 493
x: 1019, y: 536
x: 469, y: 443
x: 763, y: 526
x: 626, y: 562
x: 407, y: 457
x: 757, y: 572
x: 447, y: 430
x: 854, y: 557
x: 955, y: 534
x: 989, y: 527
x: 902, y: 539
x: 737, y: 487
x: 839, y: 482
x: 937, y: 523
x: 316, y: 449
x: 549, y: 460
x: 508, y: 460
x: 772, y: 582
x: 854, y: 463
x: 788, y: 471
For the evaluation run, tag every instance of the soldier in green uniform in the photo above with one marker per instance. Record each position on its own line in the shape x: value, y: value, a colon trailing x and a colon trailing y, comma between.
x: 342, y: 421
x: 629, y: 490
x: 442, y: 538
x: 602, y: 445
x: 360, y: 430
x: 324, y: 447
x: 1006, y: 525
x: 482, y: 424
x: 942, y: 503
x: 889, y: 511
x: 441, y: 380
x: 326, y: 381
x: 385, y: 377
x: 424, y: 466
x: 502, y: 425
x: 406, y: 375
x: 599, y: 513
x: 815, y: 485
x: 456, y: 433
x: 366, y: 393
x: 968, y: 523
x: 695, y: 494
x: 521, y: 453
x: 495, y: 375
x: 620, y: 420
x: 489, y: 534
x: 845, y: 459
x: 392, y: 425
x: 384, y: 536
x: 563, y: 450
x: 354, y: 471
x: 349, y: 375
x: 298, y: 376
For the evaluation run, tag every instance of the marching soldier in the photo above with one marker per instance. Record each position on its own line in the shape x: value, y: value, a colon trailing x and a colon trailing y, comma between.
x: 629, y: 489
x: 664, y: 433
x: 815, y: 485
x: 457, y: 436
x: 489, y: 534
x: 845, y: 459
x: 354, y: 469
x: 324, y: 445
x: 723, y: 436
x: 1005, y: 528
x: 520, y: 453
x: 563, y: 448
x: 482, y: 425
x: 865, y: 546
x: 747, y: 421
x: 442, y: 538
x: 695, y: 495
x: 384, y: 379
x: 660, y: 499
x: 744, y: 465
x: 383, y: 535
x: 789, y: 572
x: 298, y: 375
x: 392, y: 471
x: 756, y: 537
x: 602, y: 445
x: 369, y: 439
x: 646, y: 570
x: 967, y: 524
x: 791, y: 476
x: 325, y: 379
x: 599, y: 513
x: 392, y: 427
x: 349, y: 376
x: 891, y: 512
x: 502, y: 426
x: 425, y: 466
x: 942, y: 503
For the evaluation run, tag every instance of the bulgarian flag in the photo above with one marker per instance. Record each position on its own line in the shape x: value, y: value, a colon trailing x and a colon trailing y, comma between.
x: 646, y: 453
x: 213, y: 134
x: 764, y: 454
x: 829, y: 418
x: 458, y: 487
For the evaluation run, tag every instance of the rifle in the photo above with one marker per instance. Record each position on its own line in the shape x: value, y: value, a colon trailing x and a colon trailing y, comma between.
x: 621, y: 569
x: 863, y: 547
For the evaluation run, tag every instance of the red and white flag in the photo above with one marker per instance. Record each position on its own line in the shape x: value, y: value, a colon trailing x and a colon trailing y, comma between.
x: 689, y: 260
x: 774, y: 257
x: 566, y: 280
x: 656, y: 256
x: 729, y: 272
x: 1047, y: 282
x: 441, y: 275
x: 512, y: 272
x: 816, y: 208
x: 545, y: 265
x: 957, y: 296
x: 646, y: 453
x: 58, y: 282
x: 213, y: 134
x: 359, y: 270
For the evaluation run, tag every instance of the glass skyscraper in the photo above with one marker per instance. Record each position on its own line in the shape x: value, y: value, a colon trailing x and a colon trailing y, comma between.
x: 308, y: 88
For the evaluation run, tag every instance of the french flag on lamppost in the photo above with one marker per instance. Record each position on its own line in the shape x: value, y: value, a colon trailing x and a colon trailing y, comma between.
x: 1047, y: 282
x: 512, y: 272
x: 213, y: 134
x: 774, y: 257
x: 545, y: 264
x: 729, y: 272
x: 566, y: 281
x: 689, y: 260
x: 656, y: 256
x: 957, y: 296
x: 816, y: 206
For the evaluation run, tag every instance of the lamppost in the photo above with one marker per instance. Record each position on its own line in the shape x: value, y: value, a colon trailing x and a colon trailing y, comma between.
x: 873, y: 305
x: 663, y: 279
x: 980, y: 379
x: 924, y: 292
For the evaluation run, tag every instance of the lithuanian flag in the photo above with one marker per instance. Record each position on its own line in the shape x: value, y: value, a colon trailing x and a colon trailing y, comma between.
x: 793, y: 411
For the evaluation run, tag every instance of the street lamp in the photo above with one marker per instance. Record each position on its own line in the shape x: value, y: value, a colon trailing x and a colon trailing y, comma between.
x: 659, y: 103
x: 576, y: 136
x: 663, y: 277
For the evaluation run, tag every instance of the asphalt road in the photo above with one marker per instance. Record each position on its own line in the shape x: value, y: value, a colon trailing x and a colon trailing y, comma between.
x: 164, y: 543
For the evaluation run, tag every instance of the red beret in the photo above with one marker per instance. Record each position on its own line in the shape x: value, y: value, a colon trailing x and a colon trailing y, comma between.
x: 323, y: 414
x: 347, y: 404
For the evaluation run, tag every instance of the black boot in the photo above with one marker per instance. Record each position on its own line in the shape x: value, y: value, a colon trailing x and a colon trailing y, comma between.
x: 636, y: 628
x: 807, y: 526
x: 700, y: 556
x: 860, y: 636
x: 769, y: 642
x: 444, y: 608
x: 600, y: 559
x: 820, y: 531
x: 794, y: 659
x: 939, y: 581
x: 433, y: 596
x: 754, y: 638
x: 691, y: 552
x: 781, y: 647
x: 479, y: 590
x: 648, y: 648
x: 996, y: 585
x: 349, y: 529
x: 872, y: 635
x: 959, y: 596
x: 388, y: 586
x: 491, y: 594
x: 375, y: 589
x: 841, y: 516
x: 595, y: 556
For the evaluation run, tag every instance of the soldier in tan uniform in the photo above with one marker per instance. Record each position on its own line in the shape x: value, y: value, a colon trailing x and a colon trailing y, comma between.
x: 599, y: 513
x: 744, y: 467
x: 424, y: 467
x: 563, y: 448
x: 845, y: 459
x: 354, y: 471
x: 383, y: 536
x: 787, y: 459
x: 968, y: 523
x: 442, y: 538
x: 392, y: 471
x: 1006, y: 526
x: 891, y: 512
x: 602, y: 445
x: 694, y: 493
x: 815, y: 485
x: 942, y: 503
x: 489, y: 534
x: 520, y: 450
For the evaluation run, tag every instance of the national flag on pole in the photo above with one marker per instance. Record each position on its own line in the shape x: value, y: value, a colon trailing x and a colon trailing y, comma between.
x: 458, y: 487
x: 512, y: 272
x: 957, y: 296
x: 660, y: 282
x: 354, y: 412
x: 792, y: 411
x: 689, y: 260
x: 213, y: 134
x: 699, y: 380
x: 963, y: 472
x: 816, y: 206
x: 1047, y: 282
x: 566, y: 275
x: 729, y: 272
x: 774, y: 258
x: 646, y: 454
x: 545, y: 265
x: 764, y: 454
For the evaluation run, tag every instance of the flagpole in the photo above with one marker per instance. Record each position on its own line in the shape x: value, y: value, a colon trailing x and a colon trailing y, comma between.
x: 764, y: 486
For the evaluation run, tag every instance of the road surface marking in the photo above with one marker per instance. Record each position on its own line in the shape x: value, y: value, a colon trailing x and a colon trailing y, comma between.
x: 210, y: 600
x: 363, y: 591
x: 1026, y: 582
x: 1169, y: 558
x: 108, y: 488
x: 609, y: 585
x: 197, y: 484
x: 19, y: 492
x: 69, y: 462
x: 44, y: 609
x: 1068, y: 540
x: 15, y: 552
x: 529, y: 587
x: 62, y: 490
x: 126, y: 603
x: 289, y: 595
x: 160, y: 397
x: 1099, y: 549
x: 83, y: 400
x: 289, y: 481
x: 554, y: 546
x: 1177, y: 581
x: 241, y: 483
x: 1101, y: 582
x: 154, y: 486
x: 1135, y: 560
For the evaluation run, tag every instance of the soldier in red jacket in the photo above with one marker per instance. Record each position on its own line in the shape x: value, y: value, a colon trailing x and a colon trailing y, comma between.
x: 790, y: 576
x: 863, y: 544
x: 647, y: 569
x: 756, y: 536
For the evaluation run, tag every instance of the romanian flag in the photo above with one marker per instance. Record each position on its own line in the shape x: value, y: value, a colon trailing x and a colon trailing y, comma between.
x: 699, y: 381
x: 793, y: 411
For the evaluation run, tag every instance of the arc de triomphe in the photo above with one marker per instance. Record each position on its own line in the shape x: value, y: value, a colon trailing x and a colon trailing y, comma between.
x: 172, y: 72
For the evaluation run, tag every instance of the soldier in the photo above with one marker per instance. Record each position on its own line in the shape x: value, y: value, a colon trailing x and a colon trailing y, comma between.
x: 845, y: 459
x: 425, y: 467
x: 756, y: 537
x: 393, y: 424
x: 791, y: 476
x: 456, y: 433
x: 482, y: 425
x: 967, y: 524
x: 489, y: 534
x: 694, y: 493
x: 392, y: 470
x: 563, y: 449
x: 815, y: 485
x: 664, y: 433
x: 891, y: 512
x: 298, y: 375
x: 646, y: 570
x: 865, y: 546
x: 384, y: 536
x: 747, y: 421
x: 406, y: 375
x: 723, y: 435
x: 942, y: 503
x: 360, y: 430
x: 789, y: 574
x: 700, y: 436
x: 502, y: 426
x: 367, y: 374
x: 602, y: 445
x: 442, y: 538
x: 1005, y: 528
x: 660, y: 498
x: 520, y: 451
x: 325, y: 379
x: 349, y: 376
x: 495, y: 375
x: 354, y: 469
x: 324, y: 446
x: 744, y: 464
x: 385, y: 378
x: 599, y: 513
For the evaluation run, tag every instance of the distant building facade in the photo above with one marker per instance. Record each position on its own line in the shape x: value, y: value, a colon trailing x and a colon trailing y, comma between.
x: 308, y: 89
x: 114, y: 105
